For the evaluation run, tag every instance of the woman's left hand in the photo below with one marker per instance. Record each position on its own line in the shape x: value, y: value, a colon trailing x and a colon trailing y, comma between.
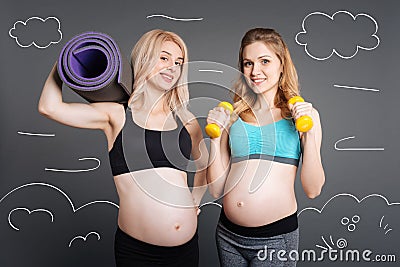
x: 300, y: 109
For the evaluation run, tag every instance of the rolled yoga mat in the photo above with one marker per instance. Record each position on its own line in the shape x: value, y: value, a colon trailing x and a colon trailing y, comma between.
x: 91, y: 64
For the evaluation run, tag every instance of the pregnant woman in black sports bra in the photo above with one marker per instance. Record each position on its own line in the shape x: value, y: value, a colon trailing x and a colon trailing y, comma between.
x: 150, y: 141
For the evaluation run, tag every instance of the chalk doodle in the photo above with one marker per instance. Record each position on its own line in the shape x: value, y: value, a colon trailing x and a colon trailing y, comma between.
x: 356, y: 88
x: 321, y: 26
x: 84, y: 238
x: 355, y: 149
x: 29, y: 32
x: 84, y: 170
x: 172, y: 18
x: 36, y: 134
x: 29, y: 212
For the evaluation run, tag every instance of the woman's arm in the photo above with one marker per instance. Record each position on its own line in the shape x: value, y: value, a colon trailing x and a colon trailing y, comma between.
x: 81, y: 115
x: 200, y: 155
x: 312, y: 173
x: 219, y: 159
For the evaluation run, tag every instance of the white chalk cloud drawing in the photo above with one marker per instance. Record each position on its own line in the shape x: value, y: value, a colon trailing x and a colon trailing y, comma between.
x: 80, y: 170
x: 84, y: 238
x: 36, y: 31
x: 36, y: 134
x: 351, y: 196
x: 29, y: 212
x: 355, y: 149
x: 74, y: 209
x: 384, y: 228
x: 173, y: 18
x: 351, y: 230
x: 340, y: 27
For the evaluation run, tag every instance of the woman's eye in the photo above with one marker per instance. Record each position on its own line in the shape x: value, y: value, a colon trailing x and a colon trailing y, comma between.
x: 247, y: 64
x: 164, y: 58
x: 178, y: 63
x: 265, y: 61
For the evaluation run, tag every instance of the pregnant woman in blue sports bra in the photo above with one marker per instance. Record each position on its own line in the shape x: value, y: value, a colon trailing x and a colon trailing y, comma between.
x: 253, y: 164
x: 150, y: 141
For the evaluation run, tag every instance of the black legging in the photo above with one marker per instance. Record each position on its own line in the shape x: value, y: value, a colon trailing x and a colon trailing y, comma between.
x: 131, y: 252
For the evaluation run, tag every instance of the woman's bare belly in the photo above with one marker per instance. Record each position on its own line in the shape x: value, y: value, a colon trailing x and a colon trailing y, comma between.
x: 156, y: 206
x: 268, y: 198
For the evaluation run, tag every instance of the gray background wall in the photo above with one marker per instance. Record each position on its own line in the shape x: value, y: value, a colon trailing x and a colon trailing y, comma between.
x: 359, y: 205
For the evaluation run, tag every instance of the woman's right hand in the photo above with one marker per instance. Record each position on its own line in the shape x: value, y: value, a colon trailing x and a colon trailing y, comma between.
x: 219, y: 116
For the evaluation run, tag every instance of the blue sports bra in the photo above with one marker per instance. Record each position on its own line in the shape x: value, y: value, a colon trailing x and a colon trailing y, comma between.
x: 278, y: 141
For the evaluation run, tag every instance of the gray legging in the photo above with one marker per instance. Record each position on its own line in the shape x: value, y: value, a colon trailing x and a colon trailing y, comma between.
x: 236, y: 250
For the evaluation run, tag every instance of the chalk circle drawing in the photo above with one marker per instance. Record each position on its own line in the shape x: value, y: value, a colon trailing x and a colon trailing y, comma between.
x: 172, y: 18
x: 380, y: 225
x: 352, y: 226
x: 84, y: 170
x: 340, y: 243
x: 84, y: 238
x: 356, y: 88
x: 36, y: 134
x: 22, y: 30
x: 29, y: 212
x: 302, y: 38
x: 355, y: 149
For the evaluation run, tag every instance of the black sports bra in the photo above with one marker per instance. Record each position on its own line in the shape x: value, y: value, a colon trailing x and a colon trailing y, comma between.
x: 136, y: 148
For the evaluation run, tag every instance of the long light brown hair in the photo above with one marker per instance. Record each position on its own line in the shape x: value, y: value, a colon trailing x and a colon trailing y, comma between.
x: 144, y: 58
x: 244, y: 98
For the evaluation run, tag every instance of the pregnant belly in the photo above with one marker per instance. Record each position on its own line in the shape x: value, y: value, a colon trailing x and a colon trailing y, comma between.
x: 156, y: 206
x: 259, y: 192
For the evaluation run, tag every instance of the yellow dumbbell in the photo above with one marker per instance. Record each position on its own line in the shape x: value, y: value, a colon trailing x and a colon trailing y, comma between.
x: 212, y: 129
x: 304, y: 123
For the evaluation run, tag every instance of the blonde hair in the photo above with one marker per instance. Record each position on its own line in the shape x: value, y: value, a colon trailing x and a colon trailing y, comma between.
x: 144, y: 58
x: 244, y: 98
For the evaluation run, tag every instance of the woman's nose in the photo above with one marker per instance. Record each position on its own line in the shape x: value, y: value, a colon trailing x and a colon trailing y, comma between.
x: 255, y: 70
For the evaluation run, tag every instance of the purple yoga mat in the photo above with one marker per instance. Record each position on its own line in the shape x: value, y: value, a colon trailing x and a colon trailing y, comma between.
x: 91, y: 64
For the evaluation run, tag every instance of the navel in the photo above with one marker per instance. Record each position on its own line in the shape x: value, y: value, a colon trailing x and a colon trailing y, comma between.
x: 240, y: 204
x: 177, y: 226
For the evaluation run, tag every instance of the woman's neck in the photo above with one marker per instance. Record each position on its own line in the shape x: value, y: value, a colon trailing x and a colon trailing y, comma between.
x: 153, y: 100
x: 265, y: 101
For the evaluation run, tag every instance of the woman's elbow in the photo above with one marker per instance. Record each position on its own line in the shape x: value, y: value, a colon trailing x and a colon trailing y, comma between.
x: 45, y: 110
x: 214, y: 192
x: 313, y: 194
x: 316, y: 191
x: 48, y: 110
